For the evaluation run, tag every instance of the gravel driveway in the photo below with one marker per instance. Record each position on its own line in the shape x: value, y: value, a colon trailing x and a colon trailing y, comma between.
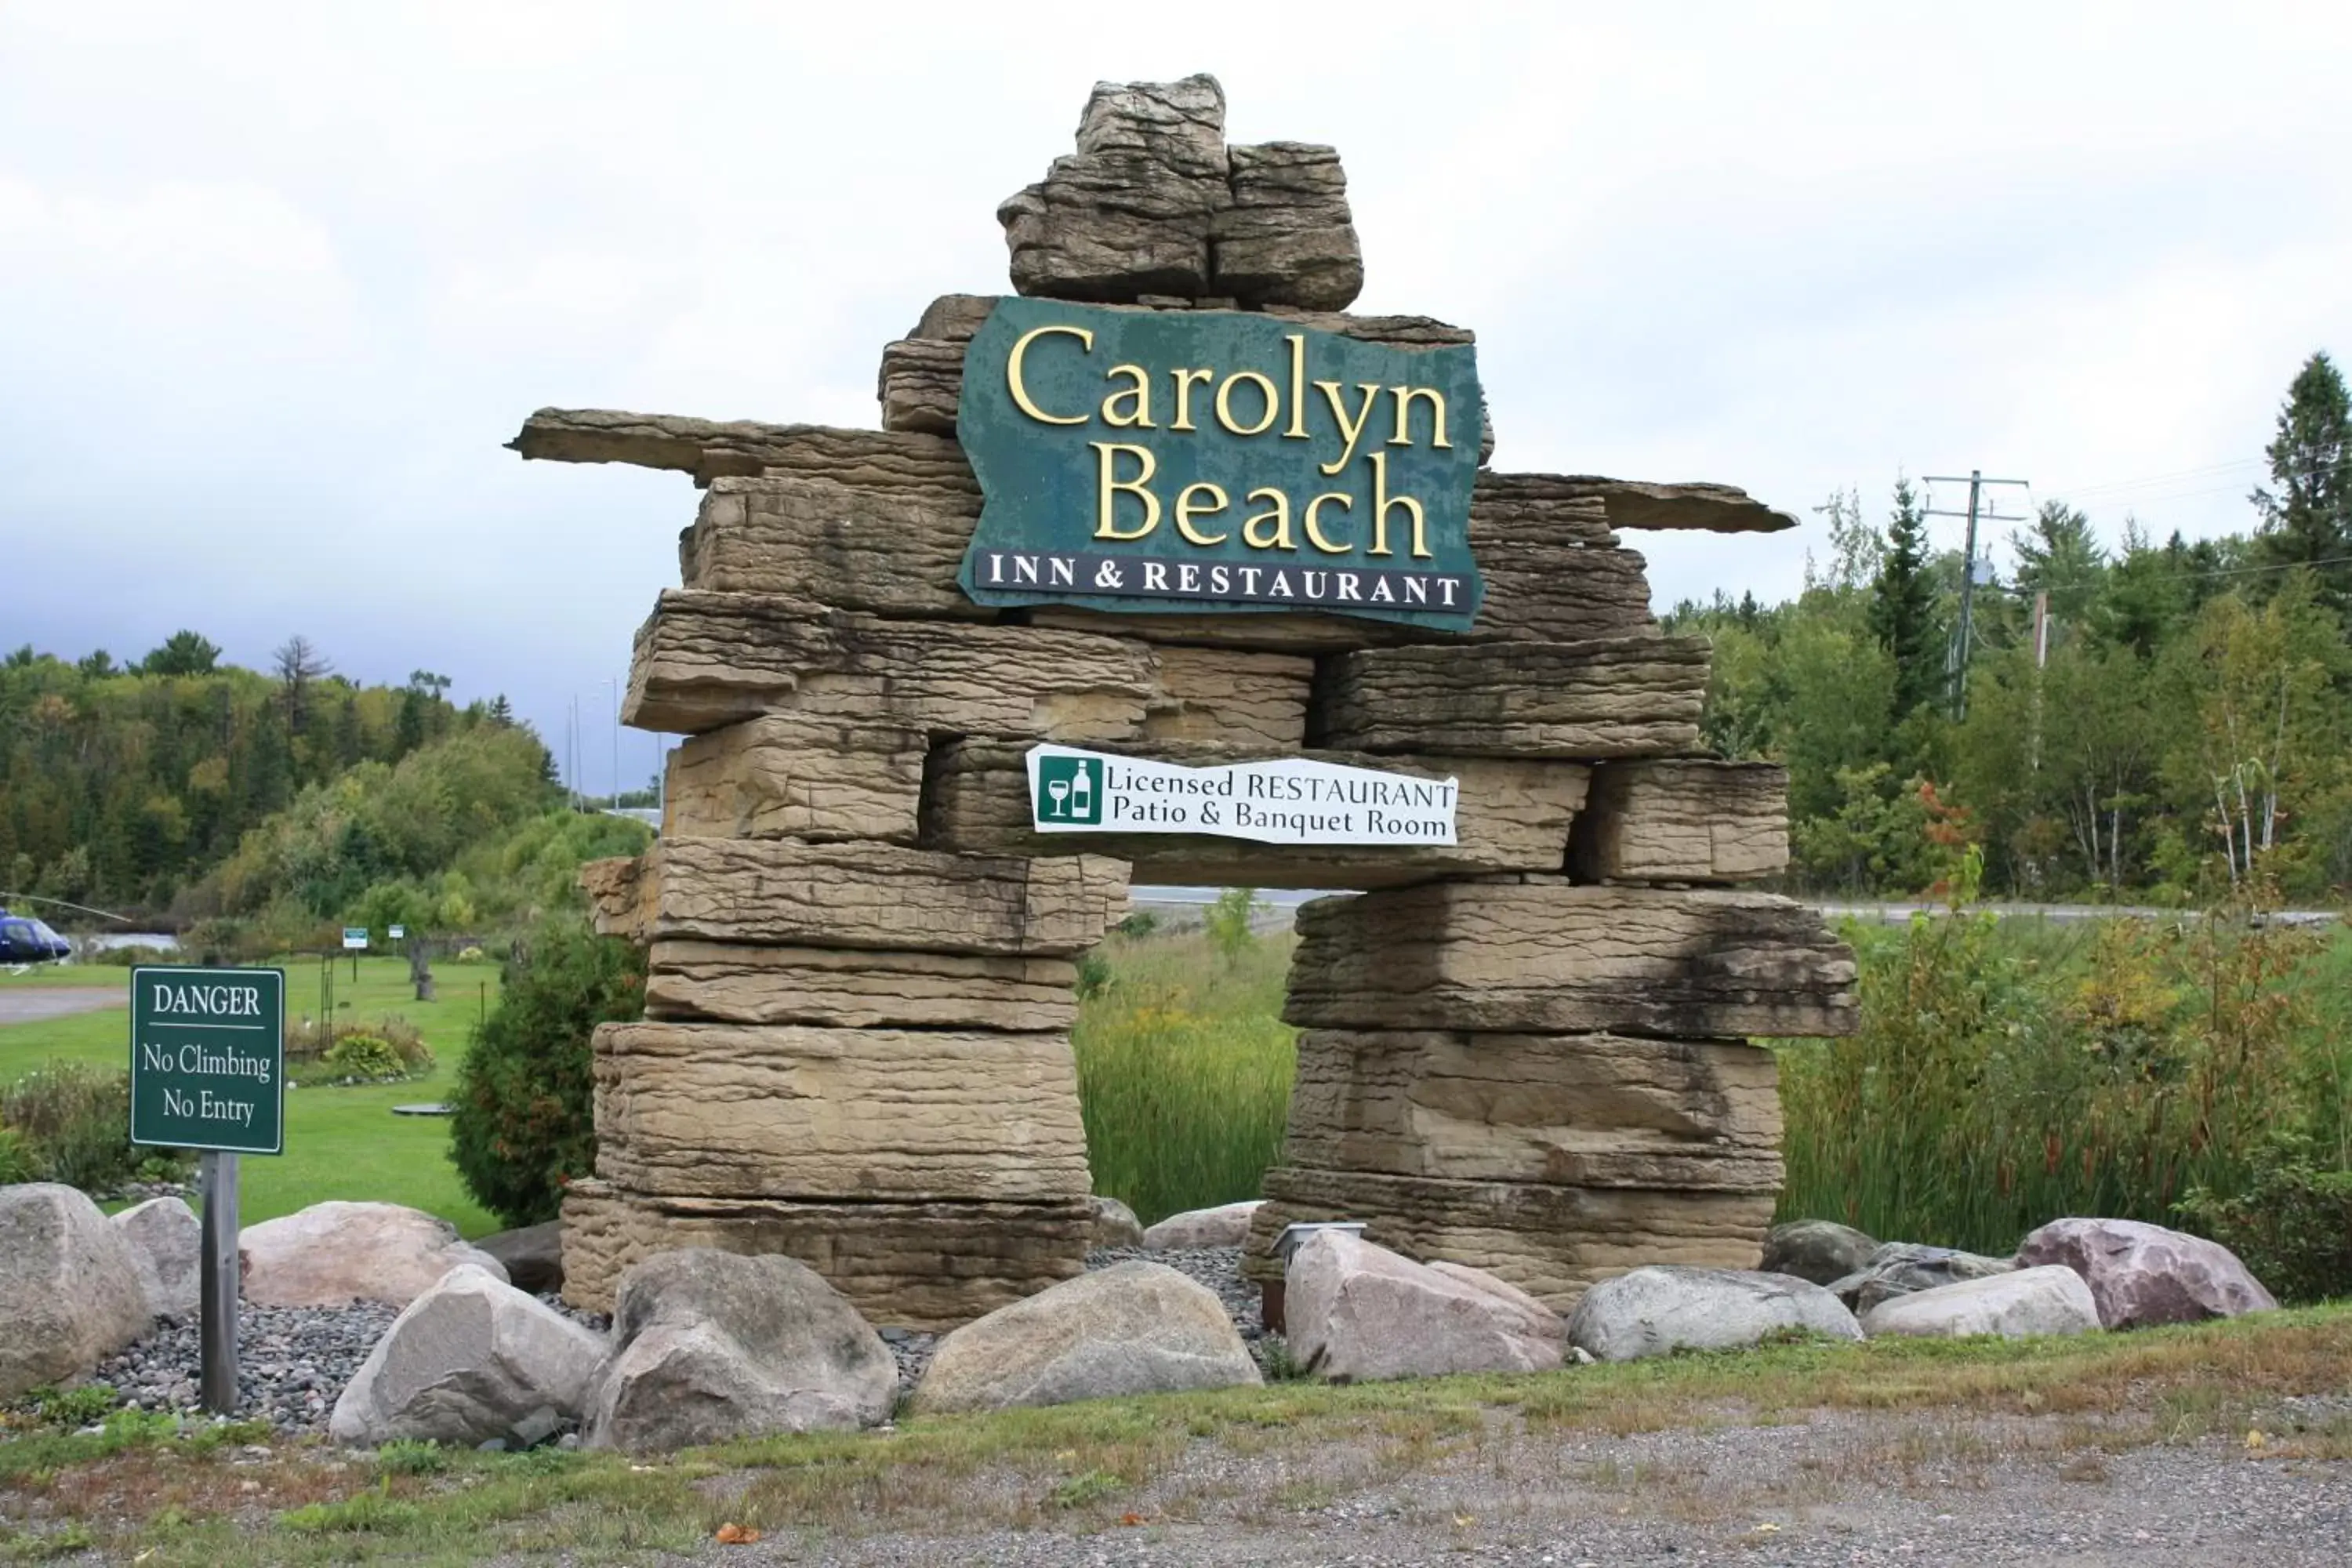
x: 1840, y: 1489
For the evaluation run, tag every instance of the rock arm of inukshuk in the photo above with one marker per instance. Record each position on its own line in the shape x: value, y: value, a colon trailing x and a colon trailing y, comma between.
x: 1526, y: 1051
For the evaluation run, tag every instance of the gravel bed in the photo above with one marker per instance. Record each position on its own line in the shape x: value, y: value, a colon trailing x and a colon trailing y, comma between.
x: 293, y: 1361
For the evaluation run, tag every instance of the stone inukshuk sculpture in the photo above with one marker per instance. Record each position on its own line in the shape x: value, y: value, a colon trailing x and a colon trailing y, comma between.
x: 1525, y: 1050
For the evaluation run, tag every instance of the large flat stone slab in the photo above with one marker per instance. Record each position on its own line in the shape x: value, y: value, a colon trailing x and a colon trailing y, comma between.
x: 791, y: 776
x: 1593, y: 1111
x: 790, y: 1111
x: 1513, y: 814
x: 1620, y: 697
x: 704, y: 660
x: 1684, y: 820
x: 858, y: 989
x: 1541, y: 954
x: 782, y: 891
x: 924, y: 1266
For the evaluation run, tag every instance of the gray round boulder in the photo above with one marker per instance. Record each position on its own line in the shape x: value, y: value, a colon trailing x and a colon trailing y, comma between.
x: 708, y: 1346
x: 470, y: 1360
x: 1227, y: 1224
x: 1821, y: 1250
x: 2051, y: 1300
x: 1900, y: 1268
x: 167, y: 1247
x: 71, y: 1294
x: 2143, y: 1275
x: 1115, y: 1224
x: 1133, y: 1328
x: 331, y: 1253
x: 1660, y: 1310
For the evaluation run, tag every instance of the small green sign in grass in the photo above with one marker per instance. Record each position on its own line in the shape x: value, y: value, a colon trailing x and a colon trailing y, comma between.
x: 208, y: 1059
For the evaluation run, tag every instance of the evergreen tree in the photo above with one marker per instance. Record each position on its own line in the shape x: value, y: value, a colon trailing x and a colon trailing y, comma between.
x: 183, y: 653
x: 2060, y: 557
x: 1902, y: 606
x: 97, y: 666
x: 501, y: 712
x: 2307, y: 520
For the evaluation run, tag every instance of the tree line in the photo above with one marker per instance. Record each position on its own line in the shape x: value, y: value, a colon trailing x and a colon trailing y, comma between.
x: 124, y: 786
x: 2161, y: 719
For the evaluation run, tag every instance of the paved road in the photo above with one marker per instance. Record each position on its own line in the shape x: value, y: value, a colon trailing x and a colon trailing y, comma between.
x: 32, y: 1006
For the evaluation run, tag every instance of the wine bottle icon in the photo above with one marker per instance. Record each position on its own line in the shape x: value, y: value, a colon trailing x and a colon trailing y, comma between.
x: 1082, y: 791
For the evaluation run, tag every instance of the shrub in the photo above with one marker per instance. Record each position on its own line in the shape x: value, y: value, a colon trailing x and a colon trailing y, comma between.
x: 1228, y: 923
x: 15, y: 1158
x: 385, y: 1052
x: 364, y: 1055
x: 522, y: 1125
x: 2291, y: 1223
x: 72, y: 1124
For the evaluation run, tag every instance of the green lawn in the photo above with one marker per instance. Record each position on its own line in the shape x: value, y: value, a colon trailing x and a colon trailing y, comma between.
x: 339, y: 1142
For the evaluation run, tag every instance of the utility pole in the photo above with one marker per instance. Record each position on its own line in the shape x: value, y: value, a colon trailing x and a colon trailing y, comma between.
x: 1977, y: 484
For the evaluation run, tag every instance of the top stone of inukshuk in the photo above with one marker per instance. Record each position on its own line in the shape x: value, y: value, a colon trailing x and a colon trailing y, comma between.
x: 1154, y: 202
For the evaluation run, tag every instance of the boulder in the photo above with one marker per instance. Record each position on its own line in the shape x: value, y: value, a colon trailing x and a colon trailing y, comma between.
x: 1115, y: 1224
x: 331, y: 1253
x: 1657, y: 1311
x: 2142, y: 1275
x: 70, y: 1292
x: 1358, y: 1312
x: 470, y: 1360
x: 1227, y: 1224
x: 167, y: 1249
x: 1133, y: 1328
x: 709, y: 1345
x: 2051, y: 1300
x: 1821, y: 1250
x: 532, y: 1255
x: 1899, y: 1268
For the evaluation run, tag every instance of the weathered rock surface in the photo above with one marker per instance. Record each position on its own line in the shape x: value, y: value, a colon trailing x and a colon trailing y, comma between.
x: 70, y: 1292
x: 335, y: 1252
x: 705, y: 660
x: 856, y: 895
x: 1355, y: 1311
x: 2143, y: 1275
x: 1684, y: 820
x: 1900, y: 1268
x: 1596, y: 1110
x: 471, y: 1359
x: 1624, y: 697
x: 855, y: 989
x: 1287, y: 238
x: 1133, y: 1328
x: 1659, y: 1310
x: 1535, y: 953
x: 788, y: 776
x: 532, y: 1255
x: 893, y: 548
x: 1821, y: 1250
x: 1227, y: 1224
x: 1115, y: 1224
x: 167, y: 1249
x: 1551, y: 1241
x: 925, y: 1266
x: 708, y: 1346
x: 790, y: 1111
x: 1511, y: 814
x: 1129, y: 213
x: 2050, y: 1300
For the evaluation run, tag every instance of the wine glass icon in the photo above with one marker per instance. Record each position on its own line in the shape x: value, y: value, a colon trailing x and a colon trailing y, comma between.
x: 1060, y: 790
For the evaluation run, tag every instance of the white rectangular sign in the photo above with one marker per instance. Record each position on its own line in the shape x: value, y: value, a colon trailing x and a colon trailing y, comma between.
x: 1283, y: 800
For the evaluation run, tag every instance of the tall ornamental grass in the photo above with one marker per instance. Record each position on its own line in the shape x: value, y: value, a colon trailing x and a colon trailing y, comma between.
x: 1184, y: 1069
x: 2005, y: 1076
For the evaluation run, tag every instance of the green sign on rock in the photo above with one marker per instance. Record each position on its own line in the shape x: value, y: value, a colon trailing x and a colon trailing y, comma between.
x: 208, y: 1059
x: 1218, y: 460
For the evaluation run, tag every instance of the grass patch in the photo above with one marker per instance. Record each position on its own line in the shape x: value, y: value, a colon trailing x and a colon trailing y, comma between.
x: 341, y: 1142
x: 1184, y: 1070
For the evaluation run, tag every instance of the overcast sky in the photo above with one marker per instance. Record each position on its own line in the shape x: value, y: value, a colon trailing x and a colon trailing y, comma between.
x: 276, y: 282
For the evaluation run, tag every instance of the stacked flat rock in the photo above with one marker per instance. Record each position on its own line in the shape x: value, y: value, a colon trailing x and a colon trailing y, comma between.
x: 1526, y: 1051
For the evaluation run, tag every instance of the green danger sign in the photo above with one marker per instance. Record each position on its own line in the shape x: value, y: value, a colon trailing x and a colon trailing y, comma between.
x: 1218, y: 460
x: 208, y: 1059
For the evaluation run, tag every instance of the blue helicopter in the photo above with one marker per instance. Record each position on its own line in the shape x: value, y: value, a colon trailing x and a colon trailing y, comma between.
x: 24, y: 940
